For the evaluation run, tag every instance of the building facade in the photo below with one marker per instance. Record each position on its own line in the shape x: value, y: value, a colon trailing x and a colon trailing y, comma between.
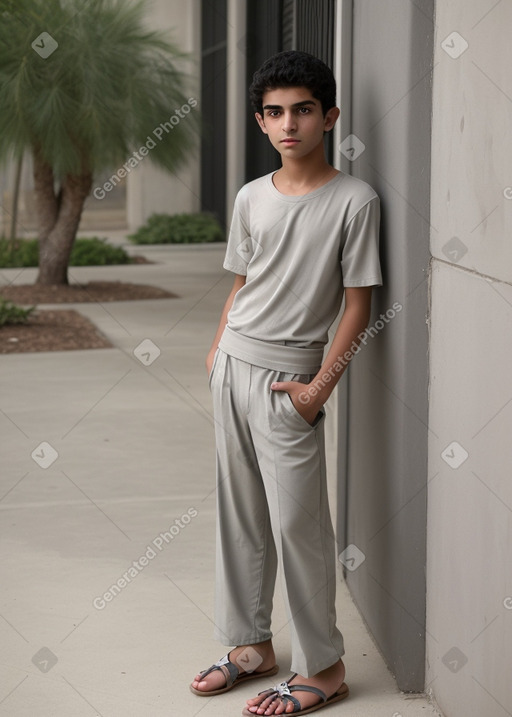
x: 424, y: 499
x: 421, y: 418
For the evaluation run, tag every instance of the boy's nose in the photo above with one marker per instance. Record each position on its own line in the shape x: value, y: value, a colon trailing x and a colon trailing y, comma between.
x: 289, y: 124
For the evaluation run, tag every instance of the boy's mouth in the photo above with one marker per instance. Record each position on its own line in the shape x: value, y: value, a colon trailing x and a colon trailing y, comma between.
x: 290, y: 140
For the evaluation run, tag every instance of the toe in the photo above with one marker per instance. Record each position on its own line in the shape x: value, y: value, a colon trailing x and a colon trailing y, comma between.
x: 257, y: 701
x: 254, y: 707
x: 272, y: 707
x: 198, y: 683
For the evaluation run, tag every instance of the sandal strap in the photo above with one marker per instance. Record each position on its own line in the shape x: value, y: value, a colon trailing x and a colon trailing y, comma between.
x: 228, y: 669
x: 284, y: 691
x: 308, y: 688
x: 268, y: 691
x: 296, y: 704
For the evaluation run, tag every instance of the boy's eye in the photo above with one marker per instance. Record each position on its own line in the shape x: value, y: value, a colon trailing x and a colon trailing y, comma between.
x: 300, y: 110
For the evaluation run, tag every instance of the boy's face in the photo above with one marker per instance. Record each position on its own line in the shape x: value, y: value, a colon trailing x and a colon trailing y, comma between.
x: 293, y: 120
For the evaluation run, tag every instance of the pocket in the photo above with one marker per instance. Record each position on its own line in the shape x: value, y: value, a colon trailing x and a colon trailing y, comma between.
x: 299, y: 417
x: 212, y: 368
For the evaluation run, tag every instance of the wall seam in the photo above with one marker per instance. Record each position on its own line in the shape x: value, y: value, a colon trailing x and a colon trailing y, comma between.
x: 473, y: 272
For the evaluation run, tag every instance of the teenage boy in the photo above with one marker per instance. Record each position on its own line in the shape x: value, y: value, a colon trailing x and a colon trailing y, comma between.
x: 300, y: 238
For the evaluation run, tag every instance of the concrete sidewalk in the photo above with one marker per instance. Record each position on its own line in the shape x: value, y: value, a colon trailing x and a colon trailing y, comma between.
x: 108, y: 477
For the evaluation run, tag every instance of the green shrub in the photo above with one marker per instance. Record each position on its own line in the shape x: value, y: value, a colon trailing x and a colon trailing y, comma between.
x: 178, y: 229
x: 25, y: 253
x: 96, y: 252
x: 12, y: 314
x: 90, y: 251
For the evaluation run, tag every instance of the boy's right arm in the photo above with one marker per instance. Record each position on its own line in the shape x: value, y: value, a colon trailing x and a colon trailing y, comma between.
x: 238, y: 283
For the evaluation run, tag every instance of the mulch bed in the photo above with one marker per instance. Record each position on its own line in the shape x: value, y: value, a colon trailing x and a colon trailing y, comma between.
x: 100, y: 291
x: 65, y: 330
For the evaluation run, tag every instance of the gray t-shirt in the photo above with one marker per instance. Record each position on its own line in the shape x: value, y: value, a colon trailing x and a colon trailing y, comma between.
x: 298, y: 253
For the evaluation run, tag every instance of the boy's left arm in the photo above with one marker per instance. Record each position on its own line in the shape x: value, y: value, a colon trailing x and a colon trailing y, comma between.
x: 309, y: 398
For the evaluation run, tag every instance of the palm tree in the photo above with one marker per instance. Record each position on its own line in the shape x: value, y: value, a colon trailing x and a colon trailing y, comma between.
x: 84, y: 85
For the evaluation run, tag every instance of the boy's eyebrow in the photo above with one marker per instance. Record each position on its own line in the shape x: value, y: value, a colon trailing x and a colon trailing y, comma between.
x: 297, y: 104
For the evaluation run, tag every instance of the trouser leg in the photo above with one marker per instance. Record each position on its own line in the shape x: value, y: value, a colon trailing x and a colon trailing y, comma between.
x: 246, y: 560
x: 291, y: 458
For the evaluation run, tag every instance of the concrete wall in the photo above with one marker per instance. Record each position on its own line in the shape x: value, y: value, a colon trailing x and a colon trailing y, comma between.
x: 150, y: 189
x: 469, y: 578
x: 383, y: 473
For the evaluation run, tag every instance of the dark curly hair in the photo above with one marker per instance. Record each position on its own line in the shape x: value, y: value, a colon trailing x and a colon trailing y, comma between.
x: 293, y: 68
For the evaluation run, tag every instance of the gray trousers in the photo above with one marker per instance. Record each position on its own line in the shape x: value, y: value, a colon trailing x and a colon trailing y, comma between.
x: 272, y: 506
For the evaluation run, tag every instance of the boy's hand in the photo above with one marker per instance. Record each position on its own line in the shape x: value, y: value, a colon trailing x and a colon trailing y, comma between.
x: 305, y: 404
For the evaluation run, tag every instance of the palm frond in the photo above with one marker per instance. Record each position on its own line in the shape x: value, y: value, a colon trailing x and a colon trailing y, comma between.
x: 108, y: 85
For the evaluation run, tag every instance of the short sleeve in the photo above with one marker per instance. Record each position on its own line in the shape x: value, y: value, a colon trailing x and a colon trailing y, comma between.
x: 360, y: 263
x: 239, y: 248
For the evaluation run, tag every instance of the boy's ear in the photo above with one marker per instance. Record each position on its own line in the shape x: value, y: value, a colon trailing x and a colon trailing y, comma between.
x: 261, y: 122
x: 330, y: 118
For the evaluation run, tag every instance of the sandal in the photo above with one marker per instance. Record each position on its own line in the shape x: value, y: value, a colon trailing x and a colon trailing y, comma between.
x: 284, y: 692
x: 232, y: 675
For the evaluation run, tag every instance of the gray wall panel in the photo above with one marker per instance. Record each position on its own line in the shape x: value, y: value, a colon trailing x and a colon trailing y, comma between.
x: 384, y: 510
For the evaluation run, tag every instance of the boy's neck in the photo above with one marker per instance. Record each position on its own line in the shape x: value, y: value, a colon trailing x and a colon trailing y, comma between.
x: 307, y: 173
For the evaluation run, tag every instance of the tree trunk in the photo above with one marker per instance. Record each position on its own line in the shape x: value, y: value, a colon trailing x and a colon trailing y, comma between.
x: 47, y: 204
x: 15, y: 202
x: 59, y: 217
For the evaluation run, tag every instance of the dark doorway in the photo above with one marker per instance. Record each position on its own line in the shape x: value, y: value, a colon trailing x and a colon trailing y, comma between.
x: 306, y: 25
x: 213, y: 107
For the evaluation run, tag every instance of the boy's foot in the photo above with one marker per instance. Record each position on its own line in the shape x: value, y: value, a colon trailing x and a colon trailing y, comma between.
x: 329, y: 681
x: 259, y: 658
